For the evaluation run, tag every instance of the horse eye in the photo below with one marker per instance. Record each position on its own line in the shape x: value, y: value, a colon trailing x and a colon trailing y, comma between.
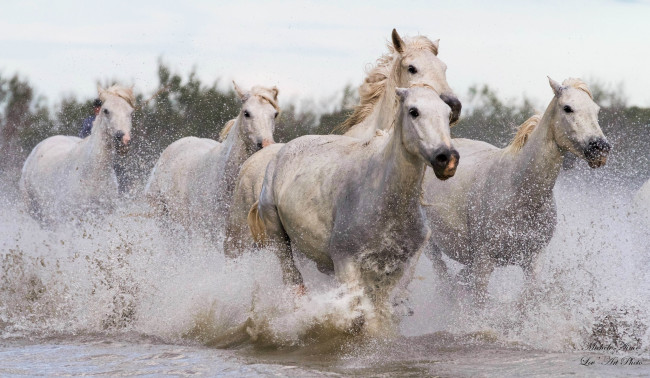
x: 275, y: 115
x: 412, y: 69
x: 106, y: 111
x: 414, y: 112
x: 567, y: 109
x: 246, y: 114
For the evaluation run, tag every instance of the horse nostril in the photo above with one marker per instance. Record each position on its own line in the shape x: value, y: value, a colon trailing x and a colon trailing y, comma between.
x: 599, y: 145
x: 260, y: 146
x: 442, y: 158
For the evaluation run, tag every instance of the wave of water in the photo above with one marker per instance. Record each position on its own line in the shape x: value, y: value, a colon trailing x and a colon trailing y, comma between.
x: 122, y: 274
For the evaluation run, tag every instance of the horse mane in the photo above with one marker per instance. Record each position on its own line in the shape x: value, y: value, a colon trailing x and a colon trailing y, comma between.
x: 226, y: 129
x: 374, y: 85
x: 263, y: 94
x: 577, y: 84
x: 122, y: 92
x: 523, y: 132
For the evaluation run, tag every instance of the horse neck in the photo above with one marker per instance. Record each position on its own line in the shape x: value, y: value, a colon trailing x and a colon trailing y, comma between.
x: 97, y: 151
x: 229, y: 157
x: 401, y: 173
x: 539, y: 162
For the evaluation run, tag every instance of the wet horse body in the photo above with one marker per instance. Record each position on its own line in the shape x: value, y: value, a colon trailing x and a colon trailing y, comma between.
x: 353, y: 206
x: 499, y: 208
x: 67, y: 176
x: 193, y: 180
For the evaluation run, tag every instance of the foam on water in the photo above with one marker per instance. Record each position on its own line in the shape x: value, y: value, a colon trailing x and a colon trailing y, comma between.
x: 121, y: 274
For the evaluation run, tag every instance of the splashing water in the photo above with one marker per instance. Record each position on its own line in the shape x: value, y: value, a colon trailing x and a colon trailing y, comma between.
x: 120, y: 275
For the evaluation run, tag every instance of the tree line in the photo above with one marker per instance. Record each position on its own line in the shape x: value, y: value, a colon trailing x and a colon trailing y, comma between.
x: 188, y: 106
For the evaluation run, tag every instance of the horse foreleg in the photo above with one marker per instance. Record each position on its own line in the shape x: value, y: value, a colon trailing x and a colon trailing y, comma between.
x: 401, y: 294
x: 439, y: 267
x: 530, y: 281
x: 480, y: 271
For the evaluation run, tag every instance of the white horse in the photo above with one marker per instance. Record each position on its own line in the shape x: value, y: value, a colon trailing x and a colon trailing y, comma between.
x: 354, y: 204
x: 194, y: 178
x: 409, y: 60
x: 66, y: 175
x: 499, y: 207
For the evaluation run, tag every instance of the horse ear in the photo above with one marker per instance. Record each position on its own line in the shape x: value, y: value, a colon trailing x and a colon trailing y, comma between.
x: 436, y: 44
x: 275, y: 91
x: 401, y: 92
x: 243, y: 96
x: 555, y: 86
x: 99, y: 89
x: 398, y: 43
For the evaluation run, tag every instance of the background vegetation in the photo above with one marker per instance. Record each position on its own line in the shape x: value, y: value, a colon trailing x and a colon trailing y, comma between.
x: 190, y: 107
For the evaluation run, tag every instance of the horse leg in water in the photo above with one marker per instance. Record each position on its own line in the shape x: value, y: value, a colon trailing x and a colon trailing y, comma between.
x: 477, y: 274
x: 401, y: 295
x: 282, y: 247
x: 530, y: 281
x: 36, y: 211
x: 434, y: 253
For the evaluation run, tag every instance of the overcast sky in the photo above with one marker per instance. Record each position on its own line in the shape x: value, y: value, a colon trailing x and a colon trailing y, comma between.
x: 312, y: 49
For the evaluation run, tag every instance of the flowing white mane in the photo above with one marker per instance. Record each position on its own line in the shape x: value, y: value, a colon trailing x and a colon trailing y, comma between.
x: 374, y: 85
x: 521, y: 137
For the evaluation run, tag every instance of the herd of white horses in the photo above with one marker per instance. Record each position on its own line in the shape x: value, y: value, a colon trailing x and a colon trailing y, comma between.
x: 362, y: 205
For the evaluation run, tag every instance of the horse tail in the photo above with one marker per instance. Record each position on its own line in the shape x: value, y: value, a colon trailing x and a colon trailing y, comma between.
x: 256, y: 225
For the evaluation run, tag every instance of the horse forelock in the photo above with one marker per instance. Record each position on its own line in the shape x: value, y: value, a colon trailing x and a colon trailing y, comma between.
x: 578, y: 84
x: 374, y: 85
x: 418, y: 42
x: 266, y: 95
x: 125, y: 93
x: 524, y: 131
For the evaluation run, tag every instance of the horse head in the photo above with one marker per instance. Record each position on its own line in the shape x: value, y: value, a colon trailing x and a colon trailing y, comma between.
x: 425, y: 129
x: 575, y: 122
x: 257, y: 117
x: 419, y: 63
x: 114, y: 117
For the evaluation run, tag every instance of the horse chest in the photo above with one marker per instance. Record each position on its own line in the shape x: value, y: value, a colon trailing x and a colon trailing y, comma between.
x: 382, y: 243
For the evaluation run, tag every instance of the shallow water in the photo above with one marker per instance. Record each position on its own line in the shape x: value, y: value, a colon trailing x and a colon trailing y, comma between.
x: 119, y: 296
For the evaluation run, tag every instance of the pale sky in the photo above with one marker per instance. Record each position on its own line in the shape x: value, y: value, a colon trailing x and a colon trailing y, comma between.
x: 311, y: 50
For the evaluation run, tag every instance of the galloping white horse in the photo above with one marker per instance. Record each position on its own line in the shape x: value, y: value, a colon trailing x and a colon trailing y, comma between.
x: 66, y: 175
x: 353, y: 206
x: 194, y: 178
x: 499, y: 207
x: 409, y: 60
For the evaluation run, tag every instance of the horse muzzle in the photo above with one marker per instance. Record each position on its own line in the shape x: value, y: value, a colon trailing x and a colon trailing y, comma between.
x: 596, y: 152
x: 263, y: 143
x: 121, y: 142
x: 455, y: 105
x: 444, y: 163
